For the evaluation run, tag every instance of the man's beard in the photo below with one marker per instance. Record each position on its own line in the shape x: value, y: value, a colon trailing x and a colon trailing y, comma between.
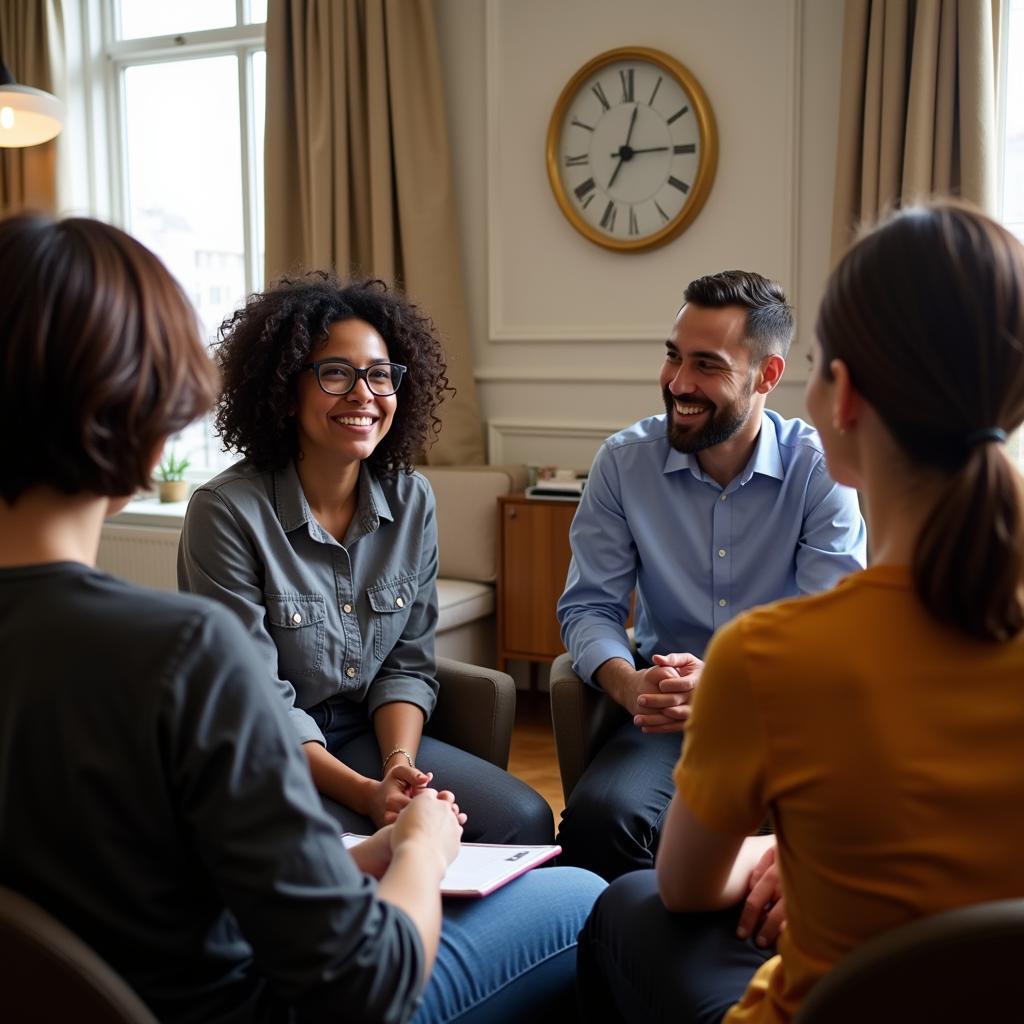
x: 721, y: 424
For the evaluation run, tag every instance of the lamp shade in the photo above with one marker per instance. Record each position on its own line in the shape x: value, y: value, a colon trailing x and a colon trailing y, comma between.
x: 27, y: 116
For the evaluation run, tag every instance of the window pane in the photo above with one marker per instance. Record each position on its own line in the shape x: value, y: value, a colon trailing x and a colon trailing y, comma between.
x: 184, y: 189
x: 257, y: 11
x: 141, y: 18
x: 259, y: 102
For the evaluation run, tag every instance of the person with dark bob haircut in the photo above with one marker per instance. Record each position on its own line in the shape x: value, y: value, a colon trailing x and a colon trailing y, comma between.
x: 879, y: 724
x: 323, y: 541
x: 152, y: 795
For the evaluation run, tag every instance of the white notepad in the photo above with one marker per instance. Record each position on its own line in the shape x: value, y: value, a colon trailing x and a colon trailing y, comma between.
x: 480, y: 868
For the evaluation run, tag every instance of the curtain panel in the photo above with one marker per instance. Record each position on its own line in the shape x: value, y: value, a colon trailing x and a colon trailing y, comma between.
x: 31, y: 46
x: 358, y: 170
x: 917, y: 111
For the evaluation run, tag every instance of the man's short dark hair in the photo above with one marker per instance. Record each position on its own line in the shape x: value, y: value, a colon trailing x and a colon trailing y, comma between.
x: 100, y: 358
x: 770, y: 323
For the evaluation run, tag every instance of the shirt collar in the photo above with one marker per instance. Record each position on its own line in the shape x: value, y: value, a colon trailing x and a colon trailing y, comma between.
x: 765, y: 458
x: 293, y: 509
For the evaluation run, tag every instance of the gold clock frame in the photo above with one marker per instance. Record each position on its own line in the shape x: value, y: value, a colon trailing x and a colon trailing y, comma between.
x: 706, y: 167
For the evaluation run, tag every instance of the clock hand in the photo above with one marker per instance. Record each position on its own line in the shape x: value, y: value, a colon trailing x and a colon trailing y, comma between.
x: 632, y: 123
x: 625, y: 153
x: 649, y: 149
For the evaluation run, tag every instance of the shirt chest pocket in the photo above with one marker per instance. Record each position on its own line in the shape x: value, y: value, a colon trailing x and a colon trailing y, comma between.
x: 390, y: 603
x: 297, y: 624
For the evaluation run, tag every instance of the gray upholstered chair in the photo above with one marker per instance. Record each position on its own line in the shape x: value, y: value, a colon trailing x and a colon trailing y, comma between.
x: 582, y: 719
x: 958, y: 966
x: 476, y: 709
x: 49, y: 974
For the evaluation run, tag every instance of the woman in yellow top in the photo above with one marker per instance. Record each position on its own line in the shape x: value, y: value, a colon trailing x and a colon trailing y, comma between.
x: 878, y: 724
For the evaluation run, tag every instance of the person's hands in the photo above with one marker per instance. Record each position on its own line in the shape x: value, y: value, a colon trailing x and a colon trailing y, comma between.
x: 389, y: 796
x: 432, y: 820
x: 373, y: 854
x: 764, y: 912
x: 663, y: 703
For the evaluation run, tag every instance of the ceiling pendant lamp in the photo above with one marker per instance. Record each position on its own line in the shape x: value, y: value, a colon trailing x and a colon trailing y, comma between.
x: 27, y: 116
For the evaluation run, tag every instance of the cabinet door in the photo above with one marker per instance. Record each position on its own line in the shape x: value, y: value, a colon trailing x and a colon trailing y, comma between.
x: 535, y: 559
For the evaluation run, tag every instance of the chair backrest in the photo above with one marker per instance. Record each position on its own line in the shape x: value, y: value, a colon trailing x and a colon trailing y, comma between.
x: 958, y: 966
x: 49, y: 974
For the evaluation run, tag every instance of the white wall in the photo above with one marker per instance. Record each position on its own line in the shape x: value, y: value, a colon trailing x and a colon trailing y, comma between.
x: 544, y: 301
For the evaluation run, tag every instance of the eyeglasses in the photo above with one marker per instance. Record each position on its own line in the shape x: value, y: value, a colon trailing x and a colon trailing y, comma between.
x: 337, y: 377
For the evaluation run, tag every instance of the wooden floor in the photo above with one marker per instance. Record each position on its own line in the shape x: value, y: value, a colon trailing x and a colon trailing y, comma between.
x: 533, y: 748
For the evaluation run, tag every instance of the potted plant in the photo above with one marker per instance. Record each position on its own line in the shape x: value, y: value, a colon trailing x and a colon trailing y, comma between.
x: 172, y: 485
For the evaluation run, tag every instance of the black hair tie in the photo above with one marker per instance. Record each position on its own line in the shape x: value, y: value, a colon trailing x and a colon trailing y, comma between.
x: 984, y: 436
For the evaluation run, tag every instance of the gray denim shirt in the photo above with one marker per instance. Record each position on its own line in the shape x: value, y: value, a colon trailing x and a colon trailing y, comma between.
x: 354, y: 619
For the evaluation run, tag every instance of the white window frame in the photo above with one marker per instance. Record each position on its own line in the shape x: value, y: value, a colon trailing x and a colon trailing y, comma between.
x: 97, y: 138
x: 241, y: 41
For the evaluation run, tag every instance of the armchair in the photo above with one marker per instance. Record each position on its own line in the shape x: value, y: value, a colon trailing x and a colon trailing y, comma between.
x: 476, y: 709
x: 52, y: 975
x: 958, y: 965
x: 582, y: 719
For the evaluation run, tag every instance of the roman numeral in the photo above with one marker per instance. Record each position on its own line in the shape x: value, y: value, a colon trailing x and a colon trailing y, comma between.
x: 576, y: 161
x: 588, y: 200
x: 678, y: 114
x: 689, y: 147
x: 580, y: 124
x: 654, y: 91
x: 582, y: 189
x: 599, y: 93
x: 626, y: 78
x: 681, y: 185
x: 608, y: 218
x: 634, y: 228
x: 664, y: 215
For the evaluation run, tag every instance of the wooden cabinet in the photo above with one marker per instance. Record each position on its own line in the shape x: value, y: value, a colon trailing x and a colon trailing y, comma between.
x: 533, y: 560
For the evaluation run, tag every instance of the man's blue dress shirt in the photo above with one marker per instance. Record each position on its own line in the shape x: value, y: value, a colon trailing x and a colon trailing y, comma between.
x: 699, y: 554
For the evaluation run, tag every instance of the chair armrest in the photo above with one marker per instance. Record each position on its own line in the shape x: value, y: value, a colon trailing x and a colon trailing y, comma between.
x: 582, y: 719
x: 476, y: 709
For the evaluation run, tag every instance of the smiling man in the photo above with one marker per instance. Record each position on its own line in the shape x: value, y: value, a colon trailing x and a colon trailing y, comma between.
x: 714, y: 507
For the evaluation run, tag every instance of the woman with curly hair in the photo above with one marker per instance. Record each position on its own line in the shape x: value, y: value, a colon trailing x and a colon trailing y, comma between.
x: 324, y: 542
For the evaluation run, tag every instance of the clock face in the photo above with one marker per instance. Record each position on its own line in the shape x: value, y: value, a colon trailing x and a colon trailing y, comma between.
x: 631, y: 149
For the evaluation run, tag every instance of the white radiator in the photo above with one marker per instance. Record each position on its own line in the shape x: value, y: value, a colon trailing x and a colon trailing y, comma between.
x: 142, y: 554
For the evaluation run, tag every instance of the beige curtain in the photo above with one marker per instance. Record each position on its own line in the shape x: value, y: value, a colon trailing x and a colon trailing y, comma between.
x: 917, y: 107
x: 30, y: 45
x: 358, y: 169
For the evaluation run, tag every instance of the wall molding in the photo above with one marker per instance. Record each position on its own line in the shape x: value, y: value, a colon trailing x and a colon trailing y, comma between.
x: 501, y: 430
x: 568, y: 375
x: 502, y: 332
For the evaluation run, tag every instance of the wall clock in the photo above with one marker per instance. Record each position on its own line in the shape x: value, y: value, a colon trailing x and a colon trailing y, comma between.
x: 632, y: 149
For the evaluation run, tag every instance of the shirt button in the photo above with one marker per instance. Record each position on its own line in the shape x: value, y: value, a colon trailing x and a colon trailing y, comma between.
x: 721, y: 603
x: 296, y: 618
x: 400, y: 602
x: 721, y: 552
x: 347, y: 609
x: 723, y: 497
x: 350, y: 672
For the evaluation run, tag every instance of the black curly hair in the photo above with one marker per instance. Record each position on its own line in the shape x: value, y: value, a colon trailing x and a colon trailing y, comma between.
x: 264, y: 345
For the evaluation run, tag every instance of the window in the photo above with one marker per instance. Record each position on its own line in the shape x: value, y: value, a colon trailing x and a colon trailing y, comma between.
x: 188, y: 89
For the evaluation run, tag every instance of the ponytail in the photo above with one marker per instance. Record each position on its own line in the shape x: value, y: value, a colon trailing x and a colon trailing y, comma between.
x: 968, y: 565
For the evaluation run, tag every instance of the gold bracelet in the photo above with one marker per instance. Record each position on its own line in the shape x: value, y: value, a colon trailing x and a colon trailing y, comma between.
x: 397, y: 750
